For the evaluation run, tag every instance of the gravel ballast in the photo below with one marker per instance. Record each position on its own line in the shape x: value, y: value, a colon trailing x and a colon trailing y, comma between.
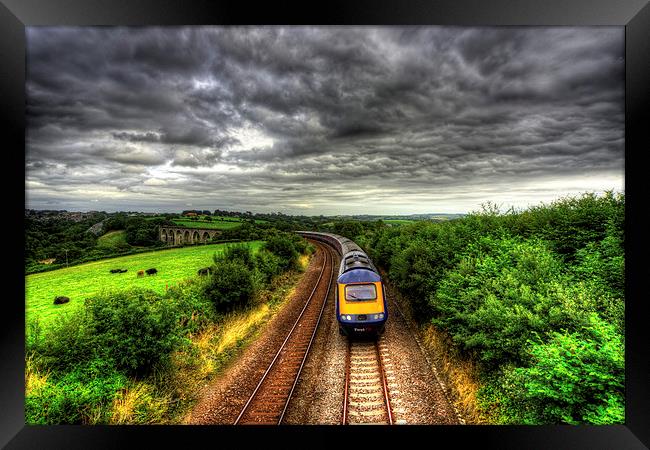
x: 416, y: 394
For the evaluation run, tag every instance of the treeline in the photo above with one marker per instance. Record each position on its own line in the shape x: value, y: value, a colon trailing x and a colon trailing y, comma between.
x: 79, y: 369
x: 140, y: 231
x: 59, y: 238
x: 70, y: 242
x: 535, y: 298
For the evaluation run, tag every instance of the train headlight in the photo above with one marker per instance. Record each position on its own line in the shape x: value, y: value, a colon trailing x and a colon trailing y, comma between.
x: 349, y: 317
x: 376, y: 316
x: 381, y: 315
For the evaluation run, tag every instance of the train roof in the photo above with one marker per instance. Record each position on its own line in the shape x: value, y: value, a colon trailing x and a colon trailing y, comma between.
x: 356, y: 259
x: 352, y: 256
x: 358, y: 276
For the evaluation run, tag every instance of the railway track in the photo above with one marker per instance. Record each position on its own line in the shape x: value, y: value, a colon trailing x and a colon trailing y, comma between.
x: 366, y: 399
x: 268, y: 403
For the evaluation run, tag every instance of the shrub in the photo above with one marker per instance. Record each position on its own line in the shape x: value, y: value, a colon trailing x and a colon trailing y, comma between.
x: 230, y: 285
x: 82, y: 396
x: 571, y: 223
x: 497, y: 296
x: 236, y: 252
x: 283, y: 246
x: 135, y: 328
x: 574, y: 378
x: 192, y: 308
x: 269, y: 264
x: 66, y: 343
x: 416, y: 270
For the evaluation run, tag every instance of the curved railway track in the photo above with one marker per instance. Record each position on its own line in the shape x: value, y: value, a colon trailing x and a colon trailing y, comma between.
x: 366, y: 399
x: 269, y: 401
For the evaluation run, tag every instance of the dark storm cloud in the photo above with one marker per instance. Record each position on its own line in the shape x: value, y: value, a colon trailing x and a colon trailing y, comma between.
x: 311, y: 119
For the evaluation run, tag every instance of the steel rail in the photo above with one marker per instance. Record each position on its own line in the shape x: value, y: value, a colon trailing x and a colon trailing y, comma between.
x: 347, y: 383
x: 304, y: 358
x: 271, y: 365
x: 384, y: 383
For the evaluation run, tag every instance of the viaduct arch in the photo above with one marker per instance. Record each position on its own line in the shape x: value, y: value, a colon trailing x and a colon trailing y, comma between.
x: 180, y: 235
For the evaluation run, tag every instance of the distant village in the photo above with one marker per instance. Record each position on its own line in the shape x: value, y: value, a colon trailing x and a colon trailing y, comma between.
x: 75, y: 216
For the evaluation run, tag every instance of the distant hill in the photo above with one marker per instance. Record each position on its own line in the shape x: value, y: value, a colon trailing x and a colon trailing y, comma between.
x: 428, y: 216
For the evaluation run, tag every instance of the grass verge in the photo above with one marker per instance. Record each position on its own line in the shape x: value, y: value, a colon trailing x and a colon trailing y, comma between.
x: 167, y: 396
x: 458, y: 376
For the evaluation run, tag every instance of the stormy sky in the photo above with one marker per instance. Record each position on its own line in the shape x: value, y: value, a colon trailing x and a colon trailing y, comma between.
x: 321, y: 120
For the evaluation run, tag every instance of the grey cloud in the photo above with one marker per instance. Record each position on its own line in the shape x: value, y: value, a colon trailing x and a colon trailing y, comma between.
x: 414, y: 113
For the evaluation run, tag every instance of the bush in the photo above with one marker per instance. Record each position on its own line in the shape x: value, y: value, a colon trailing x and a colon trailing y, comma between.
x: 236, y: 252
x: 497, y: 296
x: 571, y: 223
x: 66, y: 343
x: 268, y: 264
x: 193, y: 309
x: 230, y: 285
x: 493, y: 281
x: 82, y: 396
x: 284, y: 246
x: 134, y: 328
x: 574, y: 378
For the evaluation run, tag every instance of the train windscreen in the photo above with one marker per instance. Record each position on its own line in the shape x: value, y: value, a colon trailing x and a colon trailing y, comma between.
x: 360, y: 292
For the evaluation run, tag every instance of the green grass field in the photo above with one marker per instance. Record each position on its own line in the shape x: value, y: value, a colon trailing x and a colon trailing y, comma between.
x: 85, y: 280
x: 112, y: 238
x: 216, y: 225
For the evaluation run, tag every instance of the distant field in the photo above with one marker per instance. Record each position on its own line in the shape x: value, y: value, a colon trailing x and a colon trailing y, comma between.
x: 85, y: 280
x: 399, y: 221
x: 216, y: 225
x: 216, y: 222
x: 112, y: 238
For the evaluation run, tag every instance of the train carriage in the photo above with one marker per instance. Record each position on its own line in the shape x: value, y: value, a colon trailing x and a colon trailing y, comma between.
x: 360, y: 296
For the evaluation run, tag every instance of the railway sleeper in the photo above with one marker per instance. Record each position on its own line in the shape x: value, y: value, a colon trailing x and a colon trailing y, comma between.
x: 257, y: 414
x: 370, y: 381
x: 367, y: 404
x: 376, y: 394
x: 372, y: 366
x: 374, y: 390
x: 369, y: 413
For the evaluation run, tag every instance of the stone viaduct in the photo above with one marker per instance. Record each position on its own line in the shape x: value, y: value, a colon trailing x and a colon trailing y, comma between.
x: 180, y: 235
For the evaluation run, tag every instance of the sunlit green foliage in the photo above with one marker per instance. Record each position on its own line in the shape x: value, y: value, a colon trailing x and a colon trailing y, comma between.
x: 536, y: 297
x: 83, y: 365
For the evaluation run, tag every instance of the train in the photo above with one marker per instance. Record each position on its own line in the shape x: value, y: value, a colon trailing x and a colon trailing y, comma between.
x: 361, y: 307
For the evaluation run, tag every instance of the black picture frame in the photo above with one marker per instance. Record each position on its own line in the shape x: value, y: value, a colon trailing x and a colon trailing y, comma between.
x: 634, y: 15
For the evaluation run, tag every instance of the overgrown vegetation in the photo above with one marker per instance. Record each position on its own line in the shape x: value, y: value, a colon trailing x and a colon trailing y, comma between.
x: 64, y: 242
x: 534, y: 298
x: 116, y: 359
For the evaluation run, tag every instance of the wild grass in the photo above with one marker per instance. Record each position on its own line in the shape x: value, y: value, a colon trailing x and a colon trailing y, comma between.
x: 169, y: 394
x: 140, y: 403
x: 34, y: 380
x: 459, y: 374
